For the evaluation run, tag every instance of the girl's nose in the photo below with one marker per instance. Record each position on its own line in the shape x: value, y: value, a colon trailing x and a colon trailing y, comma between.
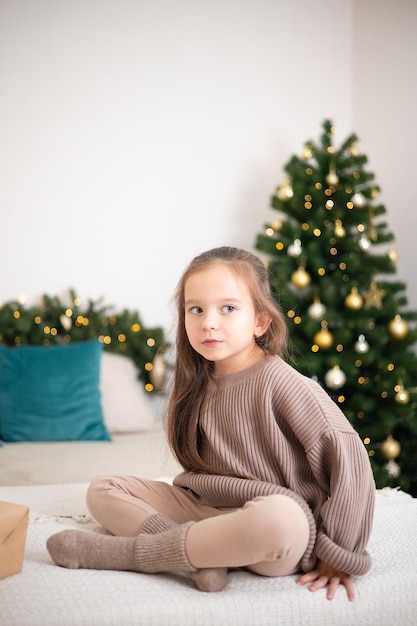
x: 209, y: 322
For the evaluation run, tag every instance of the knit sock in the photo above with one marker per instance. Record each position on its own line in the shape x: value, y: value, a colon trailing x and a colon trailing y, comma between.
x: 207, y: 579
x: 162, y: 552
x: 76, y: 549
x: 149, y: 553
x: 157, y: 523
x: 210, y: 579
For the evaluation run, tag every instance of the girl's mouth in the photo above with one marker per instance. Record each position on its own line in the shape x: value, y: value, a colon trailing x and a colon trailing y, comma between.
x: 211, y: 342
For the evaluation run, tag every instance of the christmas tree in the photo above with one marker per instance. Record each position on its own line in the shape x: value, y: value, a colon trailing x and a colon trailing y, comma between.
x: 330, y: 255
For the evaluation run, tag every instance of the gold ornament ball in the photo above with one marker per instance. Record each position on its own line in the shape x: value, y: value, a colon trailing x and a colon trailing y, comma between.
x: 354, y: 300
x: 307, y: 152
x: 339, y: 230
x: 332, y: 178
x: 398, y: 328
x: 393, y: 254
x: 300, y: 278
x: 390, y: 448
x: 285, y: 192
x: 324, y: 339
x: 158, y: 372
x: 402, y: 396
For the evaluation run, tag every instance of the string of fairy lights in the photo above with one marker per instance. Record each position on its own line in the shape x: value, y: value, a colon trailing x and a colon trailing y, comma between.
x: 55, y: 322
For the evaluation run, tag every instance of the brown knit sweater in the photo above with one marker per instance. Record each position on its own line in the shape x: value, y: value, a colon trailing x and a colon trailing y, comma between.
x: 269, y: 429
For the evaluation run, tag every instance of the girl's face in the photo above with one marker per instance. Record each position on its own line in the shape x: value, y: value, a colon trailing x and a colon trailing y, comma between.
x: 220, y: 319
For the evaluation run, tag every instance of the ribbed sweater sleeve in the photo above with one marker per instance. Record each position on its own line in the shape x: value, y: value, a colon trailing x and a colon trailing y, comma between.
x: 347, y: 513
x: 270, y: 427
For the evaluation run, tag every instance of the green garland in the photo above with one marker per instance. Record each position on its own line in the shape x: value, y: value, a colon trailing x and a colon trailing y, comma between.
x: 55, y: 322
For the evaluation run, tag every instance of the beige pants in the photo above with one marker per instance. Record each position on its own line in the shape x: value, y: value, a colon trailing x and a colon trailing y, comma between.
x: 268, y: 535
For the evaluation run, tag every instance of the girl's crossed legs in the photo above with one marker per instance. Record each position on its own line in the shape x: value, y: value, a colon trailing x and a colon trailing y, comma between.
x: 268, y: 535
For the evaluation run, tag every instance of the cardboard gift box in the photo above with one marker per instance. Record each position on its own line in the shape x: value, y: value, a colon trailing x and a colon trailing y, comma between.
x: 13, y: 528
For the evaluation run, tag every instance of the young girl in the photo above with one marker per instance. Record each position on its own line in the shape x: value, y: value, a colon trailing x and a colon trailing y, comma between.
x: 275, y: 478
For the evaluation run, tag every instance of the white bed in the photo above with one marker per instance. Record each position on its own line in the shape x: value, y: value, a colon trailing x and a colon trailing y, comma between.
x: 52, y: 479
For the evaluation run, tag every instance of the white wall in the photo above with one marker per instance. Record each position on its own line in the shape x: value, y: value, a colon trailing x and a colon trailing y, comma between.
x: 384, y: 116
x: 135, y: 134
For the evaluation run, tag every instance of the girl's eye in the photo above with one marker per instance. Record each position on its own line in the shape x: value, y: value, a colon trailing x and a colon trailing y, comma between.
x: 229, y: 308
x: 196, y: 310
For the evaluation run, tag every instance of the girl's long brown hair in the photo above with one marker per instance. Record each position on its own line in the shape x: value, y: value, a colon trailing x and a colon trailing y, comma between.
x: 192, y: 372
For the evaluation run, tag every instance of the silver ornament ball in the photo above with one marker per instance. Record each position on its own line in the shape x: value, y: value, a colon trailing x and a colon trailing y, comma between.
x: 335, y: 378
x: 362, y: 346
x: 317, y: 310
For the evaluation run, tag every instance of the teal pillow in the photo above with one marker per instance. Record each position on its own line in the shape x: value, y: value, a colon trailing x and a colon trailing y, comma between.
x: 51, y: 393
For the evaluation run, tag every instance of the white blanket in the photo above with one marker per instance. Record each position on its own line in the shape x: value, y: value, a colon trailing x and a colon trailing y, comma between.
x: 46, y: 595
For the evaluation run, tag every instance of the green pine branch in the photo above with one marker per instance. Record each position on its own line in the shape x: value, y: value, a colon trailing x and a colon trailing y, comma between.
x: 58, y: 321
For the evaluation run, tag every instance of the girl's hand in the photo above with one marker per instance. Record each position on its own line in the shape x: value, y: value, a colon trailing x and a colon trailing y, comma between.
x: 327, y: 576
